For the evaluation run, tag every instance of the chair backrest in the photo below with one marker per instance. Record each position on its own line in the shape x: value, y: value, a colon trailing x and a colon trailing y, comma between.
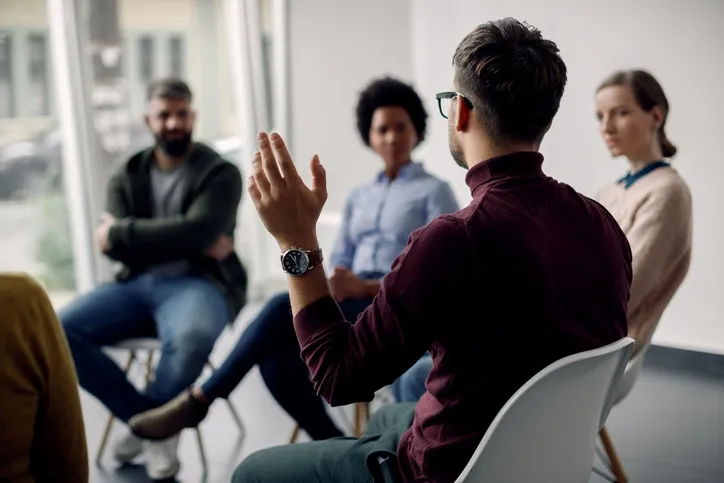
x: 630, y: 375
x: 546, y: 432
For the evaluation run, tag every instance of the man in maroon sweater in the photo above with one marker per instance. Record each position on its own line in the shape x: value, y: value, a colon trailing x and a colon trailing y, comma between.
x: 528, y: 273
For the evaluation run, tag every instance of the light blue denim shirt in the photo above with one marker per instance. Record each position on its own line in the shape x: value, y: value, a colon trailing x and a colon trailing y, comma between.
x: 380, y: 215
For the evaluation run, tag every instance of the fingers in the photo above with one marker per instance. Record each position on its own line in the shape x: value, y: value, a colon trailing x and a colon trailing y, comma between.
x: 319, y: 179
x: 268, y: 161
x: 254, y: 191
x: 261, y: 183
x: 283, y: 156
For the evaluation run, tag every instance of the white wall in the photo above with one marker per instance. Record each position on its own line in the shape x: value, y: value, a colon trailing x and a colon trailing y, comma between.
x: 680, y: 43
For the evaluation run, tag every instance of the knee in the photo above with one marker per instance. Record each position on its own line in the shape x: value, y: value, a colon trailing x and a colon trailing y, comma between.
x: 280, y: 303
x: 253, y: 468
x: 72, y: 327
x: 421, y: 369
x: 194, y: 343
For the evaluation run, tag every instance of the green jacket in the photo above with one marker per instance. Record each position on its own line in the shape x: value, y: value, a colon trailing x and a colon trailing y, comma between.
x: 209, y: 209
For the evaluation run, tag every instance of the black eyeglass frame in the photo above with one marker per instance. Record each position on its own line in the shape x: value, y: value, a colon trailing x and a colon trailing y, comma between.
x: 450, y: 95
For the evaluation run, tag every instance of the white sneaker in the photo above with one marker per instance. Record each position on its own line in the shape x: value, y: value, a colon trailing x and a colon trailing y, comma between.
x: 128, y: 448
x: 162, y: 458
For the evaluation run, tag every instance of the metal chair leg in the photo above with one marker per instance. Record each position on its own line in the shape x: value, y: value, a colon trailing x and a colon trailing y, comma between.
x: 202, y: 452
x: 616, y: 465
x: 232, y: 409
x: 109, y: 423
x: 295, y: 434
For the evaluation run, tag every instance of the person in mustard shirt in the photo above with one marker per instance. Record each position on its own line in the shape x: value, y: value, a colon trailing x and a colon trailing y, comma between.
x: 42, y: 437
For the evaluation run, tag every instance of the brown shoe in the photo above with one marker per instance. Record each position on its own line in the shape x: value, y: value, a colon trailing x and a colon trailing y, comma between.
x: 185, y: 411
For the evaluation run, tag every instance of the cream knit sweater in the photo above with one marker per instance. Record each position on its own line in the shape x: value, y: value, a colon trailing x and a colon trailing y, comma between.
x: 655, y: 214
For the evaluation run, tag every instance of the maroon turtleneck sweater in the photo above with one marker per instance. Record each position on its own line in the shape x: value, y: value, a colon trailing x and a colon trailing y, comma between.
x: 529, y: 272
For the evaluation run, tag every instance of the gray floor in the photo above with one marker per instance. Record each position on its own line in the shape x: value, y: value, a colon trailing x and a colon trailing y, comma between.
x: 669, y: 430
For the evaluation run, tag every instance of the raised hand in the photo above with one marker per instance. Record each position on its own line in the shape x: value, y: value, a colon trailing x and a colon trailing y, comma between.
x: 287, y: 207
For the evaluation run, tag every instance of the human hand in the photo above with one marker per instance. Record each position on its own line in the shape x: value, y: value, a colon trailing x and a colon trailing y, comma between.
x: 286, y: 206
x: 344, y: 284
x: 102, y: 231
x: 221, y: 249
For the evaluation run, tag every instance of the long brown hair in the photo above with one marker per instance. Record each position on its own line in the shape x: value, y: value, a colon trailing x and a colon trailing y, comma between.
x: 648, y: 93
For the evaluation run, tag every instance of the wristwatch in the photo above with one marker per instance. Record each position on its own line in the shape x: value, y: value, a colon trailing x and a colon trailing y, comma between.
x: 297, y: 261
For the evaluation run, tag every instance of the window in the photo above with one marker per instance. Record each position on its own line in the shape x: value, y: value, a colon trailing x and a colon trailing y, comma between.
x: 38, y: 98
x: 147, y: 58
x: 7, y: 98
x: 176, y: 56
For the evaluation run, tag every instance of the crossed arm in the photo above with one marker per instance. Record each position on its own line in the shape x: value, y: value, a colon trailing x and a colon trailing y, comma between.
x: 204, y: 228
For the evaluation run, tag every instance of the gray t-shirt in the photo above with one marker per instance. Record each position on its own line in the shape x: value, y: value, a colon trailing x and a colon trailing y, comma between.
x: 167, y: 188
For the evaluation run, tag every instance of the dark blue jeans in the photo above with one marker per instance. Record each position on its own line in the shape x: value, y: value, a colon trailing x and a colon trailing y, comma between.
x: 186, y: 313
x: 270, y: 342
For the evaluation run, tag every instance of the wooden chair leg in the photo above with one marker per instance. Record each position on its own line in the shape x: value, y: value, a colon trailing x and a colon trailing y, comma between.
x: 616, y: 466
x: 104, y: 440
x: 295, y: 434
x: 149, y: 368
x: 361, y: 411
x: 109, y: 423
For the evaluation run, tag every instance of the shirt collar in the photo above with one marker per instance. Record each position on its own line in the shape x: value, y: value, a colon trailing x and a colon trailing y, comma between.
x: 520, y: 164
x: 631, y: 178
x: 408, y: 171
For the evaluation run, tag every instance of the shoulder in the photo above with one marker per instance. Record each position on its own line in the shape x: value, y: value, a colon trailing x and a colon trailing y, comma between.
x: 19, y: 285
x: 445, y: 231
x: 22, y: 294
x: 212, y: 164
x: 607, y: 192
x: 666, y: 190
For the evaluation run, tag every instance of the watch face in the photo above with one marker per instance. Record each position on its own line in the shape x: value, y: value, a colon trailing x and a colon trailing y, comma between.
x: 295, y: 262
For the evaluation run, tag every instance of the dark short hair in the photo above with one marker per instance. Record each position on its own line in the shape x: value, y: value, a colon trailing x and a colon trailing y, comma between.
x: 169, y: 88
x: 387, y: 92
x: 514, y: 78
x: 649, y: 94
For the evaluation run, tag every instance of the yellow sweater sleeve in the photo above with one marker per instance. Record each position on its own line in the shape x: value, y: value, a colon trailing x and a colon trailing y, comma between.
x: 41, y: 414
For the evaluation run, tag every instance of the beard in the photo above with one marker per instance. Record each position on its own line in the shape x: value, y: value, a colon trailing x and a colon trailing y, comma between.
x: 456, y: 150
x: 176, y: 147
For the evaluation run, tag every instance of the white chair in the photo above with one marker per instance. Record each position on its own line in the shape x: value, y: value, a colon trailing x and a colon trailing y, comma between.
x: 547, y: 431
x: 610, y: 457
x: 152, y: 346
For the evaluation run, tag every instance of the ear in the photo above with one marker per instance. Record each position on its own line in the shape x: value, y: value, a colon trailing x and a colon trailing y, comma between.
x: 657, y: 115
x: 462, y: 114
x: 147, y: 120
x: 193, y: 117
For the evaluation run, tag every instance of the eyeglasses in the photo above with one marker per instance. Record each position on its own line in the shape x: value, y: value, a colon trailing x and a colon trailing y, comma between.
x: 446, y: 98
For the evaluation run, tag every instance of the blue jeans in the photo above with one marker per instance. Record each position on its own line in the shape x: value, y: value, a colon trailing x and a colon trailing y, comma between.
x: 271, y: 342
x: 186, y: 313
x: 410, y: 386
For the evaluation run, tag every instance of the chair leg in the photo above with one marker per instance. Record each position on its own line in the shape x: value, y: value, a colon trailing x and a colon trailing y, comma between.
x: 295, y: 434
x: 104, y: 439
x: 616, y: 466
x: 109, y: 423
x: 202, y: 452
x: 149, y: 368
x: 232, y: 409
x: 235, y: 417
x: 359, y: 409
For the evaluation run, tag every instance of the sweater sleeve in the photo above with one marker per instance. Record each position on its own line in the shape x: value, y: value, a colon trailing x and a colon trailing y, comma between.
x: 349, y: 362
x: 158, y: 240
x: 659, y: 238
